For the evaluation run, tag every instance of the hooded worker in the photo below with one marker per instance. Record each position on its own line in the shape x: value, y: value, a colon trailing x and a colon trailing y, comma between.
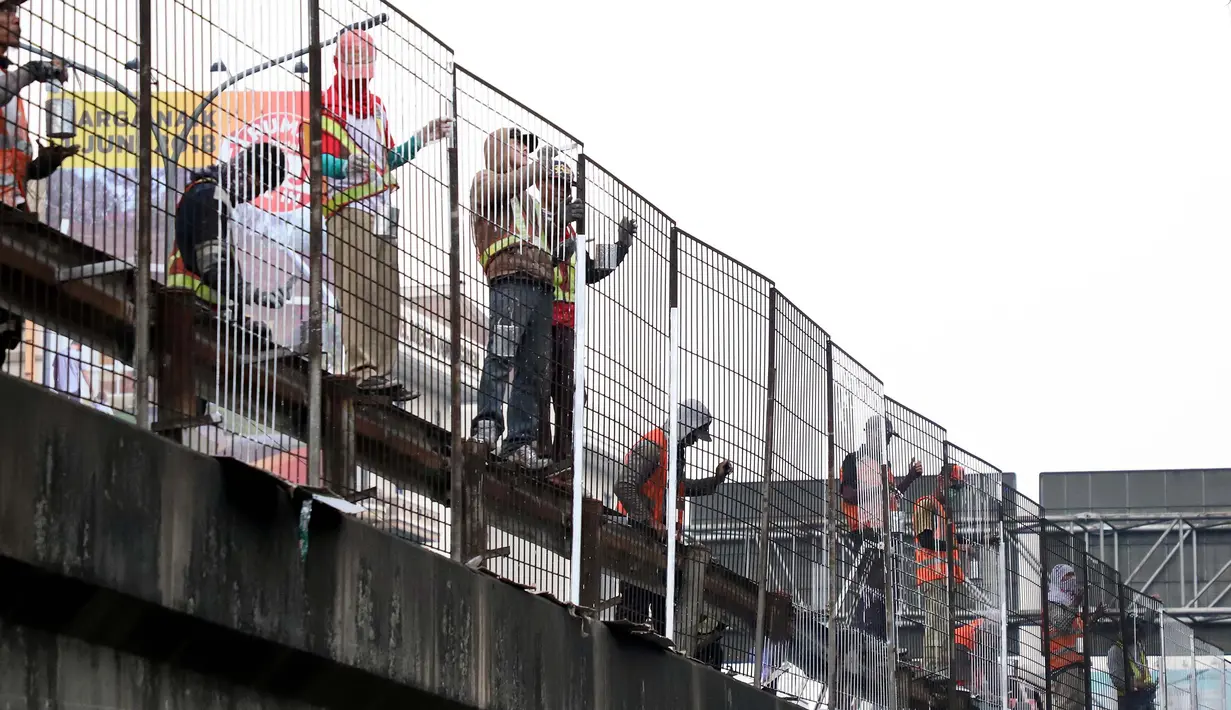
x: 642, y: 492
x: 17, y: 162
x: 934, y: 526
x: 516, y: 240
x: 1066, y: 661
x: 359, y: 161
x: 558, y: 397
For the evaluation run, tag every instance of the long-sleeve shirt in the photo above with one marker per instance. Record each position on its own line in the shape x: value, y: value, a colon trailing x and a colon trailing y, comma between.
x: 642, y: 462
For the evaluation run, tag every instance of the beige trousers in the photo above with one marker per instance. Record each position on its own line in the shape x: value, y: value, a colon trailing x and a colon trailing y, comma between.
x: 1068, y: 689
x: 935, y: 627
x: 365, y: 281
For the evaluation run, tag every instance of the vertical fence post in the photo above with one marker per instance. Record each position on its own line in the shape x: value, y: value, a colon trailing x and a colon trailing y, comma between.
x: 1192, y: 665
x: 1162, y: 661
x: 950, y: 557
x: 1128, y: 637
x: 580, y: 299
x: 1086, y: 628
x: 670, y: 505
x: 890, y: 573
x: 1002, y: 560
x: 456, y: 456
x: 316, y: 242
x: 758, y: 644
x: 1044, y: 615
x: 145, y: 217
x: 831, y: 532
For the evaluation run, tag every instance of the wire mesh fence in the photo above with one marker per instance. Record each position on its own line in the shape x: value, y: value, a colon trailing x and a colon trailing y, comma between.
x: 721, y: 422
x: 863, y: 663
x: 796, y: 561
x: 977, y: 582
x: 473, y: 264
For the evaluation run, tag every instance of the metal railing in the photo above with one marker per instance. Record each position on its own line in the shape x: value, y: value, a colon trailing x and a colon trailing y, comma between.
x: 423, y: 299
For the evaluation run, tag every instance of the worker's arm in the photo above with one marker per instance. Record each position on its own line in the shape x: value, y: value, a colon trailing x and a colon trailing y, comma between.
x: 848, y: 485
x: 435, y: 129
x: 912, y: 475
x: 706, y: 486
x: 49, y: 160
x: 628, y: 233
x: 1115, y: 666
x: 642, y: 461
x: 1063, y: 619
x: 490, y: 186
x: 14, y: 80
x: 213, y: 258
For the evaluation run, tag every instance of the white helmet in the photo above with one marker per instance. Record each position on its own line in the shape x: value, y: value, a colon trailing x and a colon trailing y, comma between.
x: 693, y: 416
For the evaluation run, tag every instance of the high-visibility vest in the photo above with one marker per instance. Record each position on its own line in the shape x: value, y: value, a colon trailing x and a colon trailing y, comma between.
x: 1064, y: 650
x: 178, y: 275
x: 15, y: 152
x: 566, y: 274
x: 522, y: 234
x: 866, y: 475
x: 383, y: 180
x: 1138, y: 667
x: 931, y: 563
x: 966, y: 634
x: 655, y: 487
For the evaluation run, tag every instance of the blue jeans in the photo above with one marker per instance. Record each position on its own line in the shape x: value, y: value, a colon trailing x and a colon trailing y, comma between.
x: 518, y: 338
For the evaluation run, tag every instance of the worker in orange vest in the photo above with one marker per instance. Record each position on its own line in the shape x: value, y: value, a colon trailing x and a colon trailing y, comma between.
x: 359, y: 159
x: 861, y: 490
x: 1066, y: 661
x: 978, y: 648
x: 17, y: 162
x: 642, y: 493
x: 933, y: 525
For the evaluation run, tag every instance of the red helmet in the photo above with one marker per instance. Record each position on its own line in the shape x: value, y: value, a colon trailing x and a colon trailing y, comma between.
x: 356, y: 57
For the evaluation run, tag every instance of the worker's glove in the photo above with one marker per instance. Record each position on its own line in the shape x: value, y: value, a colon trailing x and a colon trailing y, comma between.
x: 266, y: 299
x: 993, y: 540
x: 723, y: 470
x: 628, y: 232
x: 575, y: 211
x: 435, y: 129
x: 47, y: 71
x: 359, y: 169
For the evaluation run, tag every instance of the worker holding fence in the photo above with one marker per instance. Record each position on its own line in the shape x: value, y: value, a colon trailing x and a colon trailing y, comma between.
x: 558, y: 399
x: 934, y: 525
x: 642, y: 493
x: 359, y: 161
x: 1135, y: 688
x: 17, y: 162
x: 1066, y: 661
x: 204, y: 260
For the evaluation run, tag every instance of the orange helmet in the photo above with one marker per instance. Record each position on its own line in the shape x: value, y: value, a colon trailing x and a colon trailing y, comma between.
x: 356, y: 57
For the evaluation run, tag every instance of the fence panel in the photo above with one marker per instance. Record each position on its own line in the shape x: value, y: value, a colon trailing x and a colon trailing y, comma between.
x: 797, y: 551
x: 71, y: 216
x: 517, y: 173
x: 1179, y: 674
x: 1105, y: 633
x: 978, y: 591
x: 1025, y: 592
x: 1066, y: 614
x: 386, y: 275
x: 916, y: 442
x: 724, y: 343
x: 1210, y: 676
x: 863, y: 666
x: 628, y: 371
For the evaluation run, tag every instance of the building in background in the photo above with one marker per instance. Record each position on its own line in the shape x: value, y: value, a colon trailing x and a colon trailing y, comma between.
x: 1167, y: 532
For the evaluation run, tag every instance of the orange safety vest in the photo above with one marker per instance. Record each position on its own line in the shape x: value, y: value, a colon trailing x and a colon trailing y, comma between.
x: 383, y: 180
x: 1066, y: 650
x: 15, y: 152
x: 655, y: 487
x: 966, y: 634
x: 866, y: 475
x: 932, y: 566
x: 178, y: 275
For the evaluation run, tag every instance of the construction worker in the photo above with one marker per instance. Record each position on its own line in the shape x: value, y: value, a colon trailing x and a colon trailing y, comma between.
x: 204, y: 260
x: 860, y: 490
x: 933, y: 525
x: 517, y: 247
x: 1137, y: 688
x: 17, y: 162
x: 559, y: 396
x: 359, y: 160
x: 978, y: 644
x: 642, y: 493
x: 1066, y: 661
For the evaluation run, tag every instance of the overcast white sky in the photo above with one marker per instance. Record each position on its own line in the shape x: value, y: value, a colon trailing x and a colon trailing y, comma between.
x: 1016, y: 214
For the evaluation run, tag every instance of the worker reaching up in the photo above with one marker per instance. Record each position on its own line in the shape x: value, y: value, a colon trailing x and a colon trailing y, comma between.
x: 642, y: 492
x: 934, y: 524
x: 1067, y: 665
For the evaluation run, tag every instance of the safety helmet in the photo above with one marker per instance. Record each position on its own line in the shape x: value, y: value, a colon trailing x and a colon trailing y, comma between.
x: 356, y: 57
x: 693, y: 417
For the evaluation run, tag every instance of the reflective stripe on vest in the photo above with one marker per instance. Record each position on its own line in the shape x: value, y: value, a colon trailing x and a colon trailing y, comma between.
x: 384, y: 179
x: 655, y: 487
x: 14, y: 154
x: 1066, y: 650
x: 932, y: 567
x: 566, y: 274
x: 186, y: 281
x: 521, y: 235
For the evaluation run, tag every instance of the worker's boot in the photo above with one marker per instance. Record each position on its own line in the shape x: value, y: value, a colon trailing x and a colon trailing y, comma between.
x: 486, y: 432
x: 528, y: 458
